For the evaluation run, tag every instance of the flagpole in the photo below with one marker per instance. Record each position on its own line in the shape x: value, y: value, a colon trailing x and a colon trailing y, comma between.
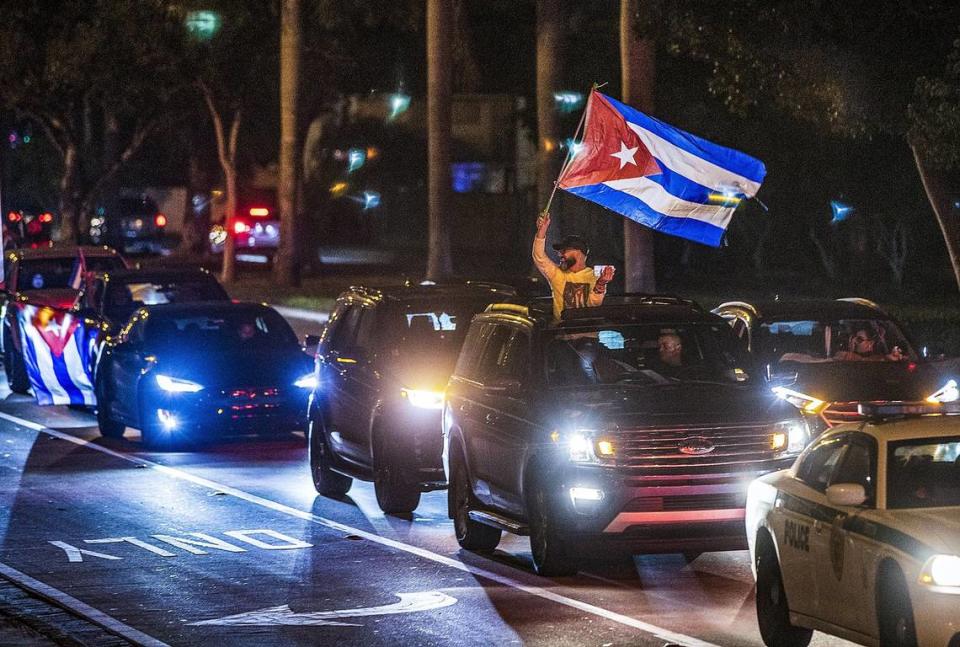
x: 570, y: 153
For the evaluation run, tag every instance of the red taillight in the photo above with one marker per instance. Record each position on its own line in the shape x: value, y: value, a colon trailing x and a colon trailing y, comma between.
x: 13, y: 216
x: 46, y: 217
x: 160, y: 220
x: 259, y: 212
x: 240, y: 227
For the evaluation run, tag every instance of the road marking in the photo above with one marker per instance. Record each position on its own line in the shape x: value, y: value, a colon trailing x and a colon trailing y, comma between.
x: 546, y: 594
x: 93, y: 615
x: 75, y: 555
x: 283, y: 615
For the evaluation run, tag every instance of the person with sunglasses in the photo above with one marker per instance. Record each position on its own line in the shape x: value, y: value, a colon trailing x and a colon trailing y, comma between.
x: 863, y: 346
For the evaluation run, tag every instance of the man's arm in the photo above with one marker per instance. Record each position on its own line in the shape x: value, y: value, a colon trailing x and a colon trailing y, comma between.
x: 547, y: 267
x: 599, y: 290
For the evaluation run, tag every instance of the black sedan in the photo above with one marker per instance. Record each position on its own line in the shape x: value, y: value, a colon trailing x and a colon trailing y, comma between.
x: 182, y: 372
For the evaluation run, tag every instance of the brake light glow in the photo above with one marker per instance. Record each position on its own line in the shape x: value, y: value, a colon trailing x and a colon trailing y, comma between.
x: 13, y: 216
x: 240, y: 227
x: 46, y: 217
x: 160, y: 220
x: 259, y: 212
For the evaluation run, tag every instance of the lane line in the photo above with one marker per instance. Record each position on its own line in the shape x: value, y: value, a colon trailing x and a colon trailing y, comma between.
x: 95, y: 616
x: 546, y: 594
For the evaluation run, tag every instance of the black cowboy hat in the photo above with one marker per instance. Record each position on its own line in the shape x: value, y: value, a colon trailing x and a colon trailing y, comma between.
x: 572, y: 242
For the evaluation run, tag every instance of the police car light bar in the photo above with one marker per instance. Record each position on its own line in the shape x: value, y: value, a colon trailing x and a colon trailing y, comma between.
x: 901, y: 409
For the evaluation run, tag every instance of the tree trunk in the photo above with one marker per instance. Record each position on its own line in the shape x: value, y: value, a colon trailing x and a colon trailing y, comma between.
x: 942, y: 206
x: 286, y: 268
x: 228, y: 272
x: 638, y: 73
x: 549, y: 159
x: 68, y: 195
x: 439, y: 60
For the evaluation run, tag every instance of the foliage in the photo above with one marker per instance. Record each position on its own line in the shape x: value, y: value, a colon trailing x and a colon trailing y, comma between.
x: 935, y: 113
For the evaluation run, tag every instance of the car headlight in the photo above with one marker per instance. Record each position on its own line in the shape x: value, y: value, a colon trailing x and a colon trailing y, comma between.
x: 308, y: 381
x: 584, y: 448
x: 790, y: 436
x: 949, y: 392
x: 802, y: 401
x: 177, y: 385
x: 422, y: 398
x: 942, y: 571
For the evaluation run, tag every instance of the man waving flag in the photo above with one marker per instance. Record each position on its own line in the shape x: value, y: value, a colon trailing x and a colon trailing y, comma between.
x: 660, y: 176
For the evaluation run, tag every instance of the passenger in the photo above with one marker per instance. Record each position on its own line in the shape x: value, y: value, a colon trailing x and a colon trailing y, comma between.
x: 863, y: 347
x: 246, y: 331
x: 669, y: 360
x: 573, y: 284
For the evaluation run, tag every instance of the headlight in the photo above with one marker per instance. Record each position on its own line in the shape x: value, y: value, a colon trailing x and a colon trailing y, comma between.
x: 942, y: 571
x: 308, y: 381
x: 946, y: 393
x: 583, y: 448
x: 176, y: 385
x: 789, y: 436
x: 423, y: 399
x: 802, y: 401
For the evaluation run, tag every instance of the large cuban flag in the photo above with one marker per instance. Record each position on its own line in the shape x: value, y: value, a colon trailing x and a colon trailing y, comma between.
x: 660, y: 176
x: 57, y: 352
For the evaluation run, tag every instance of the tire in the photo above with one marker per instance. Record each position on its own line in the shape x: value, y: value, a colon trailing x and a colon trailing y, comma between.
x: 325, y: 481
x: 895, y: 612
x: 14, y: 366
x: 471, y: 535
x: 773, y: 611
x: 395, y: 495
x: 109, y: 428
x: 551, y: 551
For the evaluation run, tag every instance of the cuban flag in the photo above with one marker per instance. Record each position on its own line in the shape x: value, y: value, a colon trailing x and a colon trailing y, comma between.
x: 57, y: 352
x: 660, y: 176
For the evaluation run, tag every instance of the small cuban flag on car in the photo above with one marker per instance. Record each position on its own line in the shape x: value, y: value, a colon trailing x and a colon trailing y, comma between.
x: 657, y: 175
x: 57, y: 351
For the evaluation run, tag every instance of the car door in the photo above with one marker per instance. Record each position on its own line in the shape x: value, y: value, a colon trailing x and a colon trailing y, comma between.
x: 361, y: 382
x: 127, y: 361
x: 338, y: 380
x: 797, y: 521
x: 839, y: 560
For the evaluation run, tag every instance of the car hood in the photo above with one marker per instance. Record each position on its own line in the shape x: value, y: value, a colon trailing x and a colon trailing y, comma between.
x: 938, y: 528
x: 62, y: 298
x: 218, y: 368
x: 675, y: 404
x: 867, y: 381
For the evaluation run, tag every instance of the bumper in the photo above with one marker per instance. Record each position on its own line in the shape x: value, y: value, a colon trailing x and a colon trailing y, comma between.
x: 694, y: 512
x: 936, y: 617
x: 415, y: 438
x: 225, y: 413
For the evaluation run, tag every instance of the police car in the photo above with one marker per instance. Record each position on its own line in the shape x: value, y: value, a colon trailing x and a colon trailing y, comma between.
x: 861, y: 537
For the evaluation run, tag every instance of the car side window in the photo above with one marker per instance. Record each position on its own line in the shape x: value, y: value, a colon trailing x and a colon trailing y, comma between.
x: 470, y: 351
x: 490, y: 366
x: 514, y: 360
x: 365, y: 328
x: 858, y: 465
x: 346, y: 330
x: 818, y: 465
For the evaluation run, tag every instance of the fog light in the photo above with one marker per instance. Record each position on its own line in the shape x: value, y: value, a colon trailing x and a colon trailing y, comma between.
x: 579, y: 494
x: 778, y: 442
x: 167, y: 419
x: 605, y: 448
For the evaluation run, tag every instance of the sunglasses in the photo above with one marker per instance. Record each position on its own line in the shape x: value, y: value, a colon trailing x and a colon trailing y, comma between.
x: 860, y: 339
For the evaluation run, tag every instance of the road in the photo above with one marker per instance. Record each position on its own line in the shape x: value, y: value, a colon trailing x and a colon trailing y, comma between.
x: 228, y: 544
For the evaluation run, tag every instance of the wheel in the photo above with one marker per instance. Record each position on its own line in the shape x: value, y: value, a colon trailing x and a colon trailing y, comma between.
x: 470, y: 534
x: 325, y: 480
x: 109, y: 428
x: 14, y: 366
x: 773, y: 612
x: 395, y: 495
x: 551, y: 551
x: 897, y: 628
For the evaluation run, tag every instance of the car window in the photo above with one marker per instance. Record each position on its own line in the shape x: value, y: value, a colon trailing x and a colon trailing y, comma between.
x: 366, y: 336
x: 346, y: 331
x: 472, y: 349
x: 495, y: 354
x: 815, y: 341
x: 123, y: 299
x: 858, y: 465
x: 225, y: 330
x: 923, y: 473
x: 57, y: 273
x: 817, y: 465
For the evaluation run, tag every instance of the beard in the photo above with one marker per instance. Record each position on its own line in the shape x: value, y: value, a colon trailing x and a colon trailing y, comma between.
x: 567, y: 262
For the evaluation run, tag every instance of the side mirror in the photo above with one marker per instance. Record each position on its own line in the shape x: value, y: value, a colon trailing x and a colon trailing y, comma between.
x: 846, y: 494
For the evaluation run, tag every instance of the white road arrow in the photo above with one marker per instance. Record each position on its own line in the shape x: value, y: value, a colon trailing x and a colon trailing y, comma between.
x: 283, y: 615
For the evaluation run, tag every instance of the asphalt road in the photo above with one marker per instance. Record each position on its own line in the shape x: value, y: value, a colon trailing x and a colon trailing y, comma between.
x: 228, y: 544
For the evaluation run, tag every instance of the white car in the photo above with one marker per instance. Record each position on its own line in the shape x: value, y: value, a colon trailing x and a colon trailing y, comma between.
x: 861, y: 537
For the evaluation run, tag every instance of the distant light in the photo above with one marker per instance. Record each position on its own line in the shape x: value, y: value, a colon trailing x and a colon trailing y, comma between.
x: 567, y: 101
x: 259, y: 211
x: 841, y: 211
x: 253, y: 258
x: 46, y: 217
x: 202, y: 25
x: 355, y: 159
x: 160, y: 220
x: 372, y: 152
x: 399, y: 103
x: 371, y: 200
x: 573, y: 146
x: 338, y: 189
x: 240, y: 227
x: 26, y: 139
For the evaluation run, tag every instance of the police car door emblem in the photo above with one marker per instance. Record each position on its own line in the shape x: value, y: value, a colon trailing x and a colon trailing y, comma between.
x: 696, y: 446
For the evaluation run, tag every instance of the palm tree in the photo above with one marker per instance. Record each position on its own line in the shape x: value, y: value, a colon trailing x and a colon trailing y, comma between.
x: 549, y: 36
x: 286, y: 270
x: 440, y: 25
x: 638, y: 72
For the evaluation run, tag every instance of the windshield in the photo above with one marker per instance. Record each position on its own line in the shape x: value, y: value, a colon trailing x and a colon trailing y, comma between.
x: 431, y: 331
x: 646, y: 354
x: 57, y: 273
x: 841, y: 340
x: 923, y: 473
x: 220, y: 331
x: 123, y: 299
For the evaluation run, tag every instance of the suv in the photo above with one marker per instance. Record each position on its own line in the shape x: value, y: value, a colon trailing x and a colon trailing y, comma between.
x: 579, y: 433
x: 811, y: 347
x: 382, y: 363
x: 131, y: 224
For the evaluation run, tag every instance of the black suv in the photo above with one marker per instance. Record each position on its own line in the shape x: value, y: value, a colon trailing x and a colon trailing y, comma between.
x: 632, y: 426
x: 383, y: 361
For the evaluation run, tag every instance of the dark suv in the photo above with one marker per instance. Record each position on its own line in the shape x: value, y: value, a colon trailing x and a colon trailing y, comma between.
x: 635, y: 426
x: 383, y: 361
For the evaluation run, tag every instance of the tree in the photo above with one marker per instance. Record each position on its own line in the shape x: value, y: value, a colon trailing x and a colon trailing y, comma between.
x: 84, y: 73
x: 287, y: 262
x: 439, y: 120
x: 638, y: 73
x: 550, y: 30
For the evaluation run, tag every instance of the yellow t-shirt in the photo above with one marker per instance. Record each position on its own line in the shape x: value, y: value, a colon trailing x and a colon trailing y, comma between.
x: 570, y: 289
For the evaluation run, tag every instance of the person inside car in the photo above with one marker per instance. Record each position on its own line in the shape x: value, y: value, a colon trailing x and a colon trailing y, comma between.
x: 573, y: 284
x: 867, y: 346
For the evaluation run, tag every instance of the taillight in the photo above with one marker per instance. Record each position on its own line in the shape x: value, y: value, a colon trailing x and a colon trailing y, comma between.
x: 259, y: 212
x: 13, y: 216
x: 160, y: 220
x: 46, y: 217
x: 240, y: 227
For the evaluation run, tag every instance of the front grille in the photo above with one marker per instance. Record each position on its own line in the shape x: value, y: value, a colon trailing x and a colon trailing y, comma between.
x: 253, y: 401
x: 722, y: 501
x: 672, y: 450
